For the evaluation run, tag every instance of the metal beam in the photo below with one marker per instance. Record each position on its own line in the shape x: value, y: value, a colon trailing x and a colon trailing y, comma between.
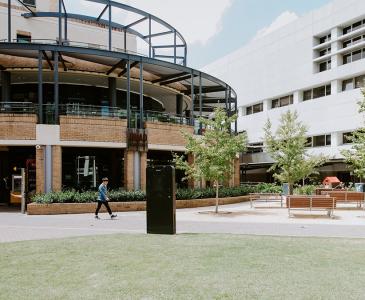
x: 110, y: 27
x: 175, y: 80
x: 9, y: 21
x: 169, y: 56
x: 47, y: 59
x: 158, y: 34
x: 60, y: 22
x: 141, y: 113
x: 128, y: 69
x: 40, y: 87
x: 26, y: 6
x: 117, y: 65
x: 208, y: 89
x: 168, y: 77
x: 56, y: 86
x: 136, y: 22
x: 62, y: 61
x: 102, y: 13
x: 168, y: 46
x: 131, y: 67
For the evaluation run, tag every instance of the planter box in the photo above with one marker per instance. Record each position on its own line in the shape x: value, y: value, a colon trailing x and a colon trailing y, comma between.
x: 82, y: 208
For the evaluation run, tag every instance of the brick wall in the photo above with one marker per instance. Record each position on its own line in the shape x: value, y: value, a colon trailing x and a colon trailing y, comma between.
x: 93, y: 129
x: 128, y: 170
x: 166, y: 133
x: 40, y: 170
x: 56, y: 168
x: 18, y: 127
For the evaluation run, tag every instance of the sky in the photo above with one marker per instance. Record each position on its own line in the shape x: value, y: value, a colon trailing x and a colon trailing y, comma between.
x: 215, y: 28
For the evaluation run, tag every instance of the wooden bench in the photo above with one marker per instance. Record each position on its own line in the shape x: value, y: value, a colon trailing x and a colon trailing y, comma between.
x: 266, y: 197
x: 346, y: 196
x: 311, y: 203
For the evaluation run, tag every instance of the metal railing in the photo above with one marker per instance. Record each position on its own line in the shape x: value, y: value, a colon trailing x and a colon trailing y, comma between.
x: 18, y: 108
x: 76, y: 109
x: 155, y: 116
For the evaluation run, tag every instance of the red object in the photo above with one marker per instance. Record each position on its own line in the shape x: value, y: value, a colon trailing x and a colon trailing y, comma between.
x: 333, y: 181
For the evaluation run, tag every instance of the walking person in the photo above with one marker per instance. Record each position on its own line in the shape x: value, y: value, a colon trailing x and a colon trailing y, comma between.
x: 103, y: 198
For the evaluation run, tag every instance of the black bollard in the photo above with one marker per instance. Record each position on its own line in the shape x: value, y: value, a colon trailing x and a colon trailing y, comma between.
x: 161, y: 200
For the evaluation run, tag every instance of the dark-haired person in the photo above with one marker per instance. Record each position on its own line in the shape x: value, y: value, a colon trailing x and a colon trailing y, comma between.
x: 103, y: 198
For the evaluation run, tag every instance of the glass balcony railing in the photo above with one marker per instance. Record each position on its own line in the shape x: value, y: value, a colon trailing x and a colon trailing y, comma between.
x: 17, y: 108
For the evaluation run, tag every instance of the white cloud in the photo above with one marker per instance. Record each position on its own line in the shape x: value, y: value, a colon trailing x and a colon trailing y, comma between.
x: 283, y: 19
x: 197, y: 20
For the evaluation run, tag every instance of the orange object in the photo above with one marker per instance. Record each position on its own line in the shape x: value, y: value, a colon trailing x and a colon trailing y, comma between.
x: 331, y: 181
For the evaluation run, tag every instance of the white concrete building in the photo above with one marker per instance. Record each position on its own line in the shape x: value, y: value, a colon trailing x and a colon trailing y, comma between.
x: 314, y: 65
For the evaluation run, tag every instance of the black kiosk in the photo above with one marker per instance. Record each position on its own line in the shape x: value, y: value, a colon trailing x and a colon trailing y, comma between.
x: 161, y: 200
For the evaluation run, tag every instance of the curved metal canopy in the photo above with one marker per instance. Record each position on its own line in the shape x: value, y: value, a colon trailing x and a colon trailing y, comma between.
x: 176, y: 40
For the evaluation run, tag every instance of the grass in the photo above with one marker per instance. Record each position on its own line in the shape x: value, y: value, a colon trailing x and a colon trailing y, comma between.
x: 187, y: 266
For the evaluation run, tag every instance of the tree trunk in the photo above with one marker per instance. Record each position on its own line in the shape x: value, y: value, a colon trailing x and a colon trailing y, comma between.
x: 216, y: 196
x: 290, y: 187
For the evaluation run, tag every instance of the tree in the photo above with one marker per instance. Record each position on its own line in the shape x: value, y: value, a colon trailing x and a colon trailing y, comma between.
x: 287, y: 147
x: 214, y: 152
x: 356, y: 155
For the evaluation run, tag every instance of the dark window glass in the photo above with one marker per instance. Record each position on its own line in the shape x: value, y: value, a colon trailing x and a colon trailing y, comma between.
x: 275, y: 103
x: 319, y: 92
x: 347, y: 58
x: 257, y: 108
x: 29, y: 2
x: 347, y: 30
x: 356, y: 39
x: 307, y: 95
x: 346, y: 43
x: 285, y: 101
x: 360, y: 82
x: 309, y: 142
x: 347, y: 84
x: 346, y: 137
x: 328, y: 140
x: 323, y: 66
x: 319, y: 141
x: 249, y: 110
x: 21, y: 38
x: 356, y: 25
x: 356, y: 55
x: 323, y: 52
x: 328, y: 89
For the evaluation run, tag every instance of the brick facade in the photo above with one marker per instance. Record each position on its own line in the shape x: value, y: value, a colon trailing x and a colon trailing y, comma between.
x: 18, y: 127
x: 40, y: 170
x: 128, y: 170
x: 93, y: 129
x: 56, y: 168
x: 166, y: 133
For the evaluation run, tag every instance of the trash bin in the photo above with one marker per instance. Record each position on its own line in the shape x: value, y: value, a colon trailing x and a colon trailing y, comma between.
x: 285, y: 188
x: 359, y: 187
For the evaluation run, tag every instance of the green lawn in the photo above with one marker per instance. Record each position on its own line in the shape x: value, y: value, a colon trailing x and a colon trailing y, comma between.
x: 187, y: 266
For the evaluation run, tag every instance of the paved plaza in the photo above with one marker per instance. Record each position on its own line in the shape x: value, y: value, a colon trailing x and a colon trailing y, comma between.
x: 235, y: 219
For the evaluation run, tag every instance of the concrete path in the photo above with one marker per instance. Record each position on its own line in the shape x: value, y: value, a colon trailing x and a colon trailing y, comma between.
x: 236, y: 219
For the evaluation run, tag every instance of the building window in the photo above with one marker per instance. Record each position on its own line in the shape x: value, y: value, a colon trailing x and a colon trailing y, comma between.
x: 353, y: 56
x: 29, y: 2
x: 353, y: 41
x: 255, y: 148
x: 254, y: 109
x: 283, y: 101
x: 348, y: 84
x: 346, y: 137
x: 353, y: 27
x: 309, y: 142
x: 353, y: 83
x: 325, y: 52
x: 324, y: 66
x: 322, y: 140
x: 318, y: 92
x: 23, y: 38
x: 325, y: 39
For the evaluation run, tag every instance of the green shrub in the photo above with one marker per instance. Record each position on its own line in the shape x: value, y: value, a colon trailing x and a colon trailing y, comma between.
x: 268, y: 188
x: 305, y: 190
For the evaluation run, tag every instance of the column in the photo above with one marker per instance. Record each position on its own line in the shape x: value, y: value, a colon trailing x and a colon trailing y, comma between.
x: 56, y: 168
x: 128, y: 170
x: 143, y: 156
x: 266, y: 105
x: 335, y: 87
x: 179, y: 104
x: 112, y: 88
x: 6, y: 86
x: 297, y: 97
x: 40, y: 175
